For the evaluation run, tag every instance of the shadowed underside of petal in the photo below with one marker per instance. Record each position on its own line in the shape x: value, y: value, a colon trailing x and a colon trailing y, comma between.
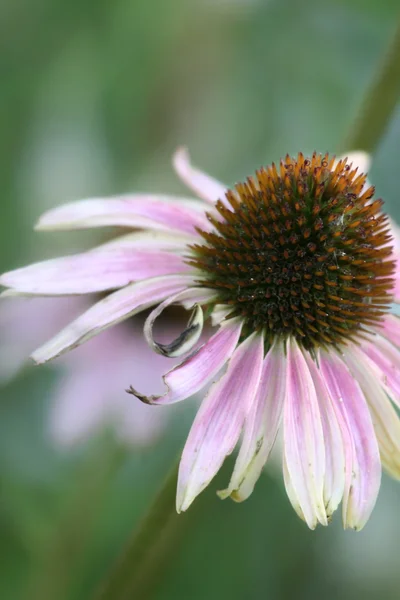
x: 363, y: 466
x: 218, y: 423
x: 95, y: 271
x: 303, y: 439
x: 261, y: 426
x: 136, y: 210
x: 189, y: 337
x: 198, y: 370
x: 204, y: 186
x: 111, y: 310
x: 385, y: 419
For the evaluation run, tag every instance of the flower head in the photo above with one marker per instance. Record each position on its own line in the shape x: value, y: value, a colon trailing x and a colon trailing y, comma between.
x: 296, y: 269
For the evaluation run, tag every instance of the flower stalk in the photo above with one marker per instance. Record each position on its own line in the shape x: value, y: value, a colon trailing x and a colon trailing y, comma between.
x: 147, y: 552
x: 379, y: 101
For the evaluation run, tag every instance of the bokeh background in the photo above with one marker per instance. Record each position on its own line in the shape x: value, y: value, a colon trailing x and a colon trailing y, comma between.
x: 95, y: 97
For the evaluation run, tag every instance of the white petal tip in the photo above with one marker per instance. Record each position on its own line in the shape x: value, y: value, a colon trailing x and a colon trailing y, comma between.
x: 359, y: 159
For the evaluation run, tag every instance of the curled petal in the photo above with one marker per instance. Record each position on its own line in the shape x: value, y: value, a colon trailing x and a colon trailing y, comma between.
x: 334, y: 480
x: 200, y: 368
x: 218, y: 423
x: 95, y: 271
x: 303, y: 438
x: 261, y: 426
x: 385, y: 419
x: 203, y: 185
x: 363, y: 466
x: 191, y: 335
x: 111, y: 310
x: 136, y: 210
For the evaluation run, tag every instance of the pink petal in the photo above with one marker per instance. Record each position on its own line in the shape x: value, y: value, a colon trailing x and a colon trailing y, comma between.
x: 303, y: 438
x: 261, y: 426
x: 136, y: 210
x: 334, y: 481
x: 198, y: 370
x: 111, y: 310
x: 203, y: 185
x: 218, y: 423
x: 94, y: 271
x: 363, y: 467
x: 385, y: 419
x: 189, y: 337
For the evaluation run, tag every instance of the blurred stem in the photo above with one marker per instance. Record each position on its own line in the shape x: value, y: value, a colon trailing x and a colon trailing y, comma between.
x: 379, y: 101
x: 64, y: 550
x: 149, y: 549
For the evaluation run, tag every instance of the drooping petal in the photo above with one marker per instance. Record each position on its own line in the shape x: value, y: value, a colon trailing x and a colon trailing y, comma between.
x: 111, y: 310
x: 386, y: 357
x: 385, y: 419
x: 218, y: 423
x: 198, y: 370
x: 303, y: 438
x: 136, y: 210
x: 334, y: 481
x: 95, y: 271
x: 391, y: 329
x: 204, y: 186
x: 261, y: 426
x: 363, y: 466
x: 191, y: 334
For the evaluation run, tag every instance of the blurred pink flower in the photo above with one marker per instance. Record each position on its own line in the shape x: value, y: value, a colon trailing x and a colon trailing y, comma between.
x: 296, y: 268
x: 89, y: 393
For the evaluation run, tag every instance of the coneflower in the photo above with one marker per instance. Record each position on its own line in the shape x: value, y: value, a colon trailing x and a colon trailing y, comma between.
x: 295, y: 267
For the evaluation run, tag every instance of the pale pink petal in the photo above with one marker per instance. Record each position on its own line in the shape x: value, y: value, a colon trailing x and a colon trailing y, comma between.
x: 261, y: 426
x: 218, y: 423
x: 384, y: 417
x: 198, y: 370
x: 363, y: 466
x: 391, y: 329
x: 219, y: 313
x: 334, y: 481
x: 95, y: 271
x: 189, y: 337
x: 359, y: 159
x: 386, y: 357
x: 395, y: 231
x: 303, y: 438
x: 111, y: 310
x: 291, y: 494
x: 203, y: 185
x: 136, y: 210
x: 151, y: 240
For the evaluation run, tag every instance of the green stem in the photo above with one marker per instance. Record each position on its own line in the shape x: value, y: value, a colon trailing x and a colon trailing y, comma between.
x: 379, y: 102
x: 147, y: 552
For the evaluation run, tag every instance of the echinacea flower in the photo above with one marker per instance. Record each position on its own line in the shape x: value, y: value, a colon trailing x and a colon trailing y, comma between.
x: 296, y: 269
x: 87, y: 394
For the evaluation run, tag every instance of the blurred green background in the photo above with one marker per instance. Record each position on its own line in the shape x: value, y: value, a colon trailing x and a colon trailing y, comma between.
x: 95, y: 97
